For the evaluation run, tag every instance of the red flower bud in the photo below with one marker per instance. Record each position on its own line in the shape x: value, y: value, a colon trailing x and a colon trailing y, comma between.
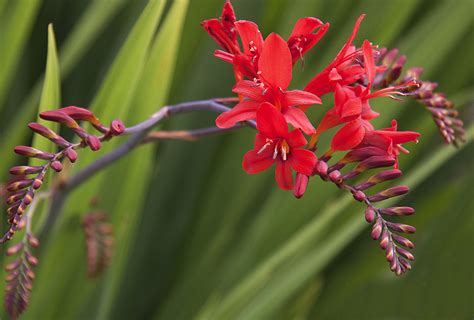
x: 57, y: 166
x: 117, y: 127
x: 300, y: 185
x: 93, y: 142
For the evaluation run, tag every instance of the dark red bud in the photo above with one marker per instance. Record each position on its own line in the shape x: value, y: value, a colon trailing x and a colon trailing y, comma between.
x: 407, y: 254
x: 336, y: 176
x: 300, y: 185
x: 117, y: 127
x: 33, y: 241
x: 369, y: 215
x: 61, y: 117
x: 33, y: 153
x: 398, y: 211
x: 389, y: 193
x: 57, y: 166
x: 400, y: 227
x: 359, y: 196
x: 71, y: 154
x: 14, y: 249
x: 24, y: 170
x: 93, y: 142
x: 377, y: 229
x: 321, y: 167
x: 403, y: 241
x: 384, y: 241
x: 37, y: 183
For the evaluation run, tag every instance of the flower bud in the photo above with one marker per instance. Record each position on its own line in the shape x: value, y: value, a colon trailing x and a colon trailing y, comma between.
x: 377, y: 229
x: 321, y: 167
x: 60, y: 117
x: 71, y: 154
x: 407, y: 254
x: 57, y: 166
x: 33, y: 153
x: 24, y: 170
x: 93, y: 142
x: 398, y: 211
x: 300, y: 185
x: 400, y: 227
x: 14, y: 249
x: 117, y: 127
x: 369, y: 215
x: 403, y: 241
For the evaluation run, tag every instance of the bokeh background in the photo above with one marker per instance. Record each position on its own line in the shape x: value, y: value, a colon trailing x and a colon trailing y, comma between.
x: 197, y: 238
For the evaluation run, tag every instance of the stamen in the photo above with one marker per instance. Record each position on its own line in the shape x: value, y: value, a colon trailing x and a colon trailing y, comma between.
x: 268, y: 142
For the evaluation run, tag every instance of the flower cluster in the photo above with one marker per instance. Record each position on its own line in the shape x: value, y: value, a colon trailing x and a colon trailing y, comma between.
x: 99, y: 241
x: 20, y: 275
x: 22, y: 189
x: 357, y: 75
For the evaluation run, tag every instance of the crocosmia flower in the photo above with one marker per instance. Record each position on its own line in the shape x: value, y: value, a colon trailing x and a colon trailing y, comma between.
x: 274, y: 77
x: 276, y: 144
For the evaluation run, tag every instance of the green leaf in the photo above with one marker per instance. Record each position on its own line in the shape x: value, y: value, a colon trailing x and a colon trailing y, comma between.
x: 50, y: 97
x: 159, y: 74
x: 87, y: 29
x: 113, y: 100
x: 16, y: 20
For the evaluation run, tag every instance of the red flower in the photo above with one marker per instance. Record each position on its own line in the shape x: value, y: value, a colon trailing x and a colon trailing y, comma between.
x: 223, y: 30
x: 343, y: 70
x: 302, y: 37
x: 245, y: 62
x: 273, y: 144
x: 351, y: 106
x: 390, y: 140
x: 274, y: 77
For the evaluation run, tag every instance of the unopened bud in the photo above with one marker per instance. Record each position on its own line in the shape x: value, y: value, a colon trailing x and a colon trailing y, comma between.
x: 117, y: 127
x: 71, y: 154
x: 57, y: 166
x: 369, y: 215
x: 93, y: 142
x: 300, y: 185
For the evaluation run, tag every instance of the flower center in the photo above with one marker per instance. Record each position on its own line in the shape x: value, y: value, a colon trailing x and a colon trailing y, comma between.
x: 281, y: 148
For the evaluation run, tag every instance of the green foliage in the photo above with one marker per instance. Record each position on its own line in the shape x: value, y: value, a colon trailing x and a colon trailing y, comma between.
x: 195, y: 236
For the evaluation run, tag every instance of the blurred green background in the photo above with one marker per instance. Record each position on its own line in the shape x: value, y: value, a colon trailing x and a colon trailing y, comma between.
x: 197, y: 238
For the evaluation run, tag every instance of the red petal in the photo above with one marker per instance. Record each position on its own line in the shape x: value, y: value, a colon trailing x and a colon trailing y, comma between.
x: 228, y: 16
x: 330, y: 120
x: 270, y: 121
x: 399, y: 137
x: 221, y: 35
x: 300, y: 98
x: 303, y: 161
x: 249, y: 32
x: 275, y: 62
x: 304, y: 26
x: 283, y: 175
x: 298, y: 119
x: 260, y: 142
x: 296, y: 139
x: 255, y: 163
x: 334, y: 75
x: 348, y: 136
x: 369, y: 62
x: 348, y: 43
x: 351, y: 110
x: 245, y: 110
x: 249, y: 89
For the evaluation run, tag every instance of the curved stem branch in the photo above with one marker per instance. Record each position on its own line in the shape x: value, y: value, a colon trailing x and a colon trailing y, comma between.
x: 139, y: 134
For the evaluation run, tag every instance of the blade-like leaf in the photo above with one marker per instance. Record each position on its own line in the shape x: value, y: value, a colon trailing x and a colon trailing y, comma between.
x: 16, y: 21
x: 50, y: 96
x: 87, y: 29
